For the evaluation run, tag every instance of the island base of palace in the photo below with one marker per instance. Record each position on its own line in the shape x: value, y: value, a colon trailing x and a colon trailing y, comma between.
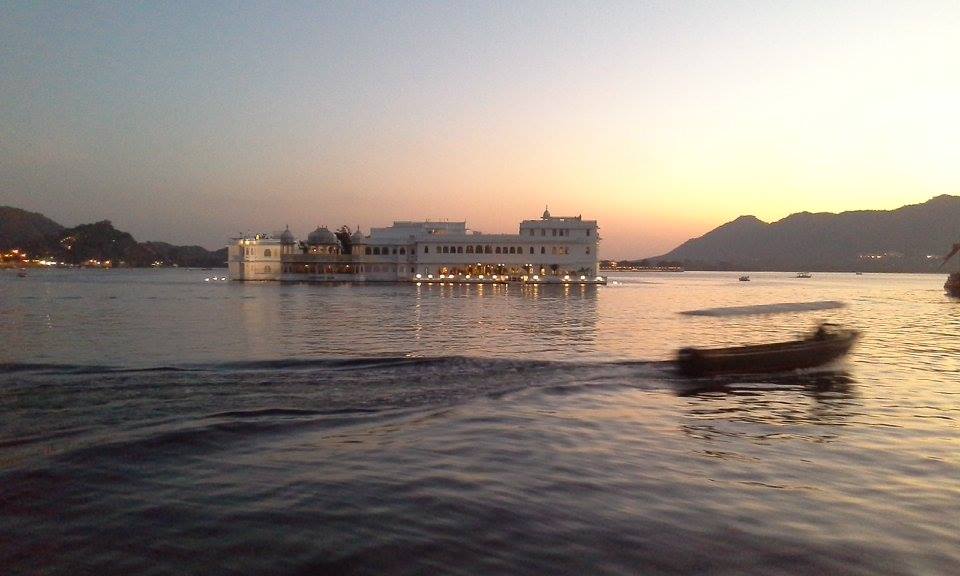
x: 441, y: 279
x: 550, y: 250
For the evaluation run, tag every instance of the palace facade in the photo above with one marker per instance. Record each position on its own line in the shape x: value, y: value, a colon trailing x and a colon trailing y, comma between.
x: 549, y: 249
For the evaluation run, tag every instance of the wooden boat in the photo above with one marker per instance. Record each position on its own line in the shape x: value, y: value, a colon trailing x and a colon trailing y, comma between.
x: 744, y: 278
x: 828, y: 343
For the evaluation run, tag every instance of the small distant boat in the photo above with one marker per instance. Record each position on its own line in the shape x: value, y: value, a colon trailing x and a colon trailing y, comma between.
x: 804, y: 275
x: 825, y: 345
x: 744, y: 278
x: 21, y: 273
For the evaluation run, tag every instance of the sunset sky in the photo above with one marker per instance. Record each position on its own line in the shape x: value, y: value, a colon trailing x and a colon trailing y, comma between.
x: 190, y: 122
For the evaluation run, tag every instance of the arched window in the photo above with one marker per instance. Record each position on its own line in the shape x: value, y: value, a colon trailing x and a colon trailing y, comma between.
x: 376, y: 251
x: 469, y: 249
x: 267, y: 253
x: 497, y: 251
x: 446, y: 250
x: 479, y: 249
x: 513, y: 250
x: 459, y: 249
x: 368, y: 251
x: 543, y: 250
x: 403, y: 251
x: 266, y: 268
x: 531, y: 249
x: 588, y: 249
x: 487, y: 249
x: 426, y: 249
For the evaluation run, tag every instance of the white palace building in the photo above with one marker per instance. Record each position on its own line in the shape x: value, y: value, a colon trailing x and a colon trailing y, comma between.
x: 552, y: 249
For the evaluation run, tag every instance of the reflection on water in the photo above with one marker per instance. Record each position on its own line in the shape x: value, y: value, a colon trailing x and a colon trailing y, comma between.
x: 766, y: 407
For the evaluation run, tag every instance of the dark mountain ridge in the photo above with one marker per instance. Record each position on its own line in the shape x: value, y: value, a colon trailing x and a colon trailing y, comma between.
x: 19, y: 228
x: 41, y: 237
x: 907, y: 239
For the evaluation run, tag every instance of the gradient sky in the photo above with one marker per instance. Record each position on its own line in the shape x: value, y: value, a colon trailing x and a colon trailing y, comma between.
x: 189, y: 122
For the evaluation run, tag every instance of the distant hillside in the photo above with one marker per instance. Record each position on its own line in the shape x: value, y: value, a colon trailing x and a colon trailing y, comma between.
x: 40, y: 236
x: 19, y: 228
x: 900, y: 240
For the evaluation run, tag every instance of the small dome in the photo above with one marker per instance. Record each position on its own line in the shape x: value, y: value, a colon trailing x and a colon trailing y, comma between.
x: 546, y: 213
x: 321, y: 236
x: 357, y: 237
x: 287, y: 237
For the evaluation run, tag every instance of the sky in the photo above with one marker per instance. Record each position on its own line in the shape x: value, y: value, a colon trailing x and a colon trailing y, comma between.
x: 191, y: 122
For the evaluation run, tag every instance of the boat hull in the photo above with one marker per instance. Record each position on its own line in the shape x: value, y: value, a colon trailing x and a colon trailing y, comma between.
x: 766, y: 358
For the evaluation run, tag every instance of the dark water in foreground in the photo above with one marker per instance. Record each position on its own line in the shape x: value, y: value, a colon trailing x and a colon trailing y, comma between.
x: 153, y: 423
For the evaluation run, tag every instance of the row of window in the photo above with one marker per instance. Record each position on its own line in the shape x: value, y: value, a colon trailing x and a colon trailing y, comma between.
x: 487, y: 249
x: 478, y: 249
x: 376, y: 251
x: 342, y: 269
x: 554, y: 231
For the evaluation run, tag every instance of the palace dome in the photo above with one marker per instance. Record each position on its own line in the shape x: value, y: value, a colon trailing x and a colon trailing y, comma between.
x: 357, y: 237
x: 546, y: 213
x: 321, y: 236
x: 287, y: 237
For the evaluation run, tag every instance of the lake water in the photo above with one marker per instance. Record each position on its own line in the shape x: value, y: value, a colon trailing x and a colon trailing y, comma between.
x: 155, y: 423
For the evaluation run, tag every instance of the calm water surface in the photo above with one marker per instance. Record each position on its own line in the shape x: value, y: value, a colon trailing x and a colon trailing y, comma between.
x: 154, y: 423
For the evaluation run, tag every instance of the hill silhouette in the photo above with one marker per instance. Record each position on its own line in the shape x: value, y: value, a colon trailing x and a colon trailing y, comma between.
x: 41, y: 236
x: 907, y: 239
x: 19, y: 228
